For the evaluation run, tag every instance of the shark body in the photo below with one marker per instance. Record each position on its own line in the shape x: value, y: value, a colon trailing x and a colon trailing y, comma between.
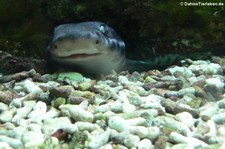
x: 93, y: 48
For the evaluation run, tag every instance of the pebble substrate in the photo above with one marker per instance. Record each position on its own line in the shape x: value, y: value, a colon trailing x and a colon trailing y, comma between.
x: 182, y: 107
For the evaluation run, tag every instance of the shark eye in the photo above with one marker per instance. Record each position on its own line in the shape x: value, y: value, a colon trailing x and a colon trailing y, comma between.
x: 103, y: 28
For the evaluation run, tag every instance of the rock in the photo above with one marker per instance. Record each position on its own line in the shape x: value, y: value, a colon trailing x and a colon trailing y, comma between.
x: 82, y: 126
x: 100, y: 140
x: 70, y: 128
x: 149, y: 79
x: 183, y: 70
x: 119, y: 146
x: 148, y: 114
x: 193, y: 142
x: 30, y: 86
x: 171, y: 124
x: 140, y: 131
x: 199, y: 92
x: 208, y: 110
x: 75, y: 100
x: 86, y: 85
x: 175, y: 108
x: 33, y: 139
x: 128, y: 108
x: 151, y: 101
x: 181, y: 146
x: 71, y: 76
x: 185, y: 91
x: 21, y: 113
x: 58, y: 102
x: 221, y: 103
x: 137, y: 89
x: 131, y: 141
x: 85, y: 94
x: 118, y: 123
x: 34, y: 127
x: 14, y: 143
x: 17, y: 102
x: 6, y: 116
x: 133, y: 98
x: 123, y: 80
x: 145, y: 144
x: 153, y: 133
x: 39, y: 109
x: 206, y: 68
x: 113, y: 106
x: 5, y: 145
x: 48, y: 115
x: 52, y: 125
x: 78, y: 113
x: 185, y: 118
x: 213, y: 93
x: 195, y: 103
x: 217, y: 81
x: 139, y: 121
x: 219, y: 118
x: 61, y: 91
x: 3, y: 107
x: 6, y: 97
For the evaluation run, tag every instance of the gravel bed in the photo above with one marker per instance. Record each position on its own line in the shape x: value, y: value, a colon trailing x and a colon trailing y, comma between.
x: 182, y: 107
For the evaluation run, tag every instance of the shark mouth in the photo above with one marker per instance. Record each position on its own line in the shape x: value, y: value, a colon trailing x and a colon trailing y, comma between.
x: 83, y: 55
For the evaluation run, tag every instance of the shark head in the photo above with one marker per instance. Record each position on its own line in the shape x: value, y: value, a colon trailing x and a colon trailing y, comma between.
x: 90, y: 46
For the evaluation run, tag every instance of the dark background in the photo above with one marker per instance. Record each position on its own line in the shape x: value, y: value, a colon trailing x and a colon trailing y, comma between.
x: 148, y: 27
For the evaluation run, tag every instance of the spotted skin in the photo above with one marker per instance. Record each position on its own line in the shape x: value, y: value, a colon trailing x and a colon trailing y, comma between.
x: 90, y: 46
x: 95, y: 48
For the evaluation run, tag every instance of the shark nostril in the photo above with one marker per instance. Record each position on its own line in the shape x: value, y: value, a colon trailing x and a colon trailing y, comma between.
x: 55, y: 46
x: 97, y: 42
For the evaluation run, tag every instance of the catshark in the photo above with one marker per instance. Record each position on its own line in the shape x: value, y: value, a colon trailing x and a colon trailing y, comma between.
x: 91, y: 47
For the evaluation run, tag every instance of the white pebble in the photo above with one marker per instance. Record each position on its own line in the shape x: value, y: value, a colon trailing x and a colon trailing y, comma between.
x: 123, y: 80
x: 153, y: 133
x: 70, y: 128
x: 128, y: 108
x: 14, y: 143
x: 21, y: 113
x: 30, y: 86
x: 52, y: 125
x: 212, y: 128
x: 33, y: 139
x: 218, y: 82
x: 78, y: 113
x: 3, y: 107
x: 107, y: 146
x: 34, y: 127
x: 172, y: 124
x: 48, y: 115
x: 151, y: 101
x: 118, y: 123
x: 209, y: 109
x: 131, y: 141
x: 86, y: 126
x: 145, y: 144
x: 219, y: 118
x: 4, y: 145
x: 140, y: 131
x: 178, y: 138
x: 18, y: 132
x: 100, y: 140
x: 39, y: 109
x: 185, y: 71
x: 135, y: 121
x: 7, y: 116
x: 185, y: 118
